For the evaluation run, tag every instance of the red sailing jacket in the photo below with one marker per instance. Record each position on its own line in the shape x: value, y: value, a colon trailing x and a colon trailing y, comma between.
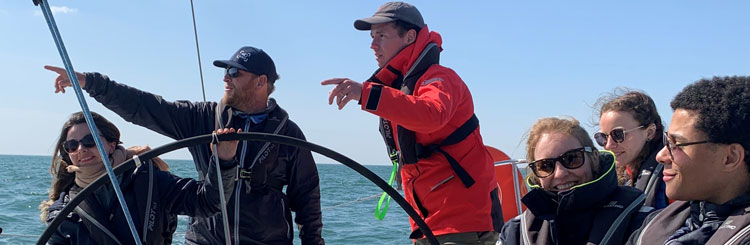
x: 441, y: 103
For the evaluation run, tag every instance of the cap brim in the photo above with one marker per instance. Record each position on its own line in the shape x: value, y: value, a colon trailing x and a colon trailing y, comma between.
x: 365, y: 24
x: 228, y: 63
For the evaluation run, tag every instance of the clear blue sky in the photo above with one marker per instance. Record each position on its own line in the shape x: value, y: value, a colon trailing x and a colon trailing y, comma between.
x: 522, y: 60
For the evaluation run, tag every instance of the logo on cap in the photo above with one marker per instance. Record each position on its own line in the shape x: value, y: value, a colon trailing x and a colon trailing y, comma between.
x: 243, y: 55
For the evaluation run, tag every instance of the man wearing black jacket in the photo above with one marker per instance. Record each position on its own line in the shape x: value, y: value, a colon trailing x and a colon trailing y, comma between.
x: 259, y: 211
x: 706, y: 167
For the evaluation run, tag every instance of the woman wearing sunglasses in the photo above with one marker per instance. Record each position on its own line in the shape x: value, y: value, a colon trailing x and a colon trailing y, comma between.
x: 630, y: 127
x: 154, y: 197
x: 575, y: 198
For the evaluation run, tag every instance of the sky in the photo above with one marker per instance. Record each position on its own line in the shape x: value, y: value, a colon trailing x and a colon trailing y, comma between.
x: 522, y: 60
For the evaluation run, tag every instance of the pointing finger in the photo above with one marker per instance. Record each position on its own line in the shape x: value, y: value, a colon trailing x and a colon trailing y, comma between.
x: 333, y: 81
x: 55, y: 69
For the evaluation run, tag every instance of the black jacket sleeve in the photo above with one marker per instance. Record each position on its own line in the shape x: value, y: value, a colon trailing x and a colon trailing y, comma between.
x: 177, y: 120
x: 197, y: 198
x: 304, y: 194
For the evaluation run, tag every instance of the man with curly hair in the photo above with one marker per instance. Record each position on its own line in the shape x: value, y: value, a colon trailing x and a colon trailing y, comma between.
x: 706, y: 167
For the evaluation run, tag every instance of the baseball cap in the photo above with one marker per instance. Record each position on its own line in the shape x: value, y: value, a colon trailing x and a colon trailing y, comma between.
x: 389, y: 12
x: 251, y: 59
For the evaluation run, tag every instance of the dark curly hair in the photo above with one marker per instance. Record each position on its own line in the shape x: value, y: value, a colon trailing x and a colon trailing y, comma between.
x: 723, y: 107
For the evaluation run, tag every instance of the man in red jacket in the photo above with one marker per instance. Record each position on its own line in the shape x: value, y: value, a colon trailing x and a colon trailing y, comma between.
x: 428, y: 122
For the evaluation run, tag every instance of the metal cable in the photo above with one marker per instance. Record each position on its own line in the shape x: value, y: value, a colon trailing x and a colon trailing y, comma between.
x: 197, y: 48
x: 87, y: 114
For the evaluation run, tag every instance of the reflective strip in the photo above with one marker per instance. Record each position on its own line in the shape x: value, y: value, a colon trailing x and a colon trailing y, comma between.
x: 97, y: 224
x: 147, y: 217
x: 524, y: 232
x: 618, y: 221
x: 441, y: 182
x: 739, y: 235
x: 643, y: 231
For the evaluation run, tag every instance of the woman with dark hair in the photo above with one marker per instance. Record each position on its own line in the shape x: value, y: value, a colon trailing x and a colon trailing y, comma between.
x: 154, y: 197
x: 575, y: 198
x: 631, y: 128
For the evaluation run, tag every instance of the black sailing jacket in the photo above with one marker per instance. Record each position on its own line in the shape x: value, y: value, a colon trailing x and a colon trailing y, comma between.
x: 154, y: 199
x: 257, y: 214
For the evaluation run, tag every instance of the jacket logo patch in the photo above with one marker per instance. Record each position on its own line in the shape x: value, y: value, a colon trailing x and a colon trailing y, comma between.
x: 437, y: 79
x: 613, y: 204
x: 728, y: 225
x: 265, y: 153
x: 152, y: 216
x: 645, y: 173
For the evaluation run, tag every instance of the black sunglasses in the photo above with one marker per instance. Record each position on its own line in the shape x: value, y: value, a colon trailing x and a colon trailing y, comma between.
x: 233, y: 72
x: 571, y: 159
x: 71, y: 146
x: 617, y: 134
x: 669, y: 145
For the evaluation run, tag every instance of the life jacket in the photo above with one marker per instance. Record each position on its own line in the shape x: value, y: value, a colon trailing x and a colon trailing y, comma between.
x: 434, y: 185
x: 733, y: 230
x: 648, y: 179
x: 153, y: 227
x: 253, y: 173
x: 410, y: 152
x: 610, y: 220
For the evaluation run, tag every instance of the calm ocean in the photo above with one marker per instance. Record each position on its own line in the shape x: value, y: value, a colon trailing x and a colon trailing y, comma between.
x: 348, y: 203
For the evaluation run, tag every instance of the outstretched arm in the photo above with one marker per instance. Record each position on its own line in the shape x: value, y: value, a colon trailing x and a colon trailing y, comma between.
x: 177, y: 120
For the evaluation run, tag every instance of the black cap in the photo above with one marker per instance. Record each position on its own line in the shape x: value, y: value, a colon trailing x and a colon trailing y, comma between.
x: 251, y: 59
x: 389, y: 12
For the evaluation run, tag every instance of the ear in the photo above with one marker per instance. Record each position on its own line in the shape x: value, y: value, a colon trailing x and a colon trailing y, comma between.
x: 112, y: 147
x: 411, y: 36
x: 735, y: 158
x: 262, y: 80
x: 651, y: 131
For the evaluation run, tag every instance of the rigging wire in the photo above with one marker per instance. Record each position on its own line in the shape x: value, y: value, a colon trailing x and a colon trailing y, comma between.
x: 197, y: 49
x: 359, y: 199
x: 224, y: 215
x: 87, y: 114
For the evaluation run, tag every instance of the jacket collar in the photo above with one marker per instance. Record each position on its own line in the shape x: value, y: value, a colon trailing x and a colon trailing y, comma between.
x: 584, y: 196
x: 703, y: 211
x: 399, y: 65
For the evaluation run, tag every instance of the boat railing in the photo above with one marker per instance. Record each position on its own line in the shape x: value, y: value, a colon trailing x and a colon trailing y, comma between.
x: 518, y: 166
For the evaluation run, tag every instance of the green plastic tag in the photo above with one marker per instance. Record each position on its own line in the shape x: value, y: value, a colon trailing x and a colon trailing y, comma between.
x: 381, y: 210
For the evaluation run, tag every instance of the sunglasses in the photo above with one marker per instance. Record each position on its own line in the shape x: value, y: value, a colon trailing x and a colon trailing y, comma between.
x: 233, y: 72
x: 71, y: 146
x: 571, y: 159
x: 617, y: 134
x: 669, y: 145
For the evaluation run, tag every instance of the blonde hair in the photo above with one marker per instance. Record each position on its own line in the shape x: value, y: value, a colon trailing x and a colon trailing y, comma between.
x: 568, y: 126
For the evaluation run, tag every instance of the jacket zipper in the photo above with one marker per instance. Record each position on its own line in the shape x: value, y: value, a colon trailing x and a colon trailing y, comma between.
x: 417, y: 201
